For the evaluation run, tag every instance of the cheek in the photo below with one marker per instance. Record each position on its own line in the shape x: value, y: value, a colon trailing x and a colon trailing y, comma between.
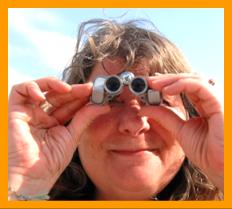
x: 166, y: 137
x: 173, y: 159
x: 102, y: 126
x: 171, y: 149
x: 92, y: 154
x: 96, y: 135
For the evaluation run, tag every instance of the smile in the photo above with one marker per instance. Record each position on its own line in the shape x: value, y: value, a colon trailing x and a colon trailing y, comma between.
x: 134, y: 152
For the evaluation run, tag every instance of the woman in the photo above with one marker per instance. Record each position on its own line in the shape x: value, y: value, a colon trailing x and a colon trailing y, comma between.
x: 63, y: 145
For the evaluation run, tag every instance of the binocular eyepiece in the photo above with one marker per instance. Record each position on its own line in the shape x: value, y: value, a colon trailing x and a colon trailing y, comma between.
x: 113, y: 85
x: 106, y: 88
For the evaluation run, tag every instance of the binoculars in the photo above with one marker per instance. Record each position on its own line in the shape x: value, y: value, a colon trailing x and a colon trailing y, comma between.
x: 108, y: 87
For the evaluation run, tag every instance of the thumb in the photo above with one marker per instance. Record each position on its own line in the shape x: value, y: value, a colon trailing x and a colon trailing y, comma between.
x: 164, y: 117
x: 83, y: 119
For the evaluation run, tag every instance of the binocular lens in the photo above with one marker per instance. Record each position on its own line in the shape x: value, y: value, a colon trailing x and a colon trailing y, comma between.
x: 138, y: 85
x: 113, y: 84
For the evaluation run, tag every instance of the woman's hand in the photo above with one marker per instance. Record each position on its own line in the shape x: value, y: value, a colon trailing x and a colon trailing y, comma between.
x: 40, y: 145
x: 202, y: 138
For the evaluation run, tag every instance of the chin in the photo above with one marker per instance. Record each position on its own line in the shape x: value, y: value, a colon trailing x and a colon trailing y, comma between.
x: 135, y: 186
x: 138, y: 179
x: 130, y: 190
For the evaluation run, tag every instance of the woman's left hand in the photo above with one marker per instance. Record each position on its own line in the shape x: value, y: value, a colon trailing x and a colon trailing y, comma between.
x: 202, y: 137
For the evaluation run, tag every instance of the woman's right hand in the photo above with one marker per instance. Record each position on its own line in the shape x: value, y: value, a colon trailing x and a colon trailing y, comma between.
x: 40, y: 145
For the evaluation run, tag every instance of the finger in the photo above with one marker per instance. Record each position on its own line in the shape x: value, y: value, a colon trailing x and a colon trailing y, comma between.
x: 187, y: 85
x: 158, y: 82
x: 33, y: 90
x: 164, y: 117
x: 159, y: 76
x: 79, y: 91
x: 66, y: 112
x: 199, y: 93
x: 25, y: 92
x: 83, y: 118
x: 52, y: 83
x: 40, y: 119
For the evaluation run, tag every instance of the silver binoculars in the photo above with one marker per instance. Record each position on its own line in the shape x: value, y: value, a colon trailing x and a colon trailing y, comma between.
x: 106, y: 88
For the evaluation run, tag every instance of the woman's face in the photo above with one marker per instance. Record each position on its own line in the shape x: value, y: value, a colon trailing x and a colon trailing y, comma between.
x: 125, y: 155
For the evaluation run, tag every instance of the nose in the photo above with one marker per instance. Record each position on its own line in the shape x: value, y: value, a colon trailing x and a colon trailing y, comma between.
x: 130, y: 122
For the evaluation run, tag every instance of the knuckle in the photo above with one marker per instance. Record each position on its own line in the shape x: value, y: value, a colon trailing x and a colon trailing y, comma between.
x: 31, y: 84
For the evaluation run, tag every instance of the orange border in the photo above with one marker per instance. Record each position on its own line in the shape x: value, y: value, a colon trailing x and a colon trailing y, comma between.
x: 4, y: 5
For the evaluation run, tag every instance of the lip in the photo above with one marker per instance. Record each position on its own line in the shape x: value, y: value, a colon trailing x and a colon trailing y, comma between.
x: 134, y: 152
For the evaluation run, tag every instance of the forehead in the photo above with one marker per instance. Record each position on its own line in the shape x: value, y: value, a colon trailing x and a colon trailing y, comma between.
x: 117, y: 65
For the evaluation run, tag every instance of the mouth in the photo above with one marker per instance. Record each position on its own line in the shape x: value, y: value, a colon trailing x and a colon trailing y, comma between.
x: 136, y: 152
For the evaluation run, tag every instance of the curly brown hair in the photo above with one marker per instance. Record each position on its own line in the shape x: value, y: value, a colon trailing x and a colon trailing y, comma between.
x: 131, y: 41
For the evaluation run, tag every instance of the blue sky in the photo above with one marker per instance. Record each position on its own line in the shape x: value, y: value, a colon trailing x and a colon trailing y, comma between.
x: 41, y: 42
